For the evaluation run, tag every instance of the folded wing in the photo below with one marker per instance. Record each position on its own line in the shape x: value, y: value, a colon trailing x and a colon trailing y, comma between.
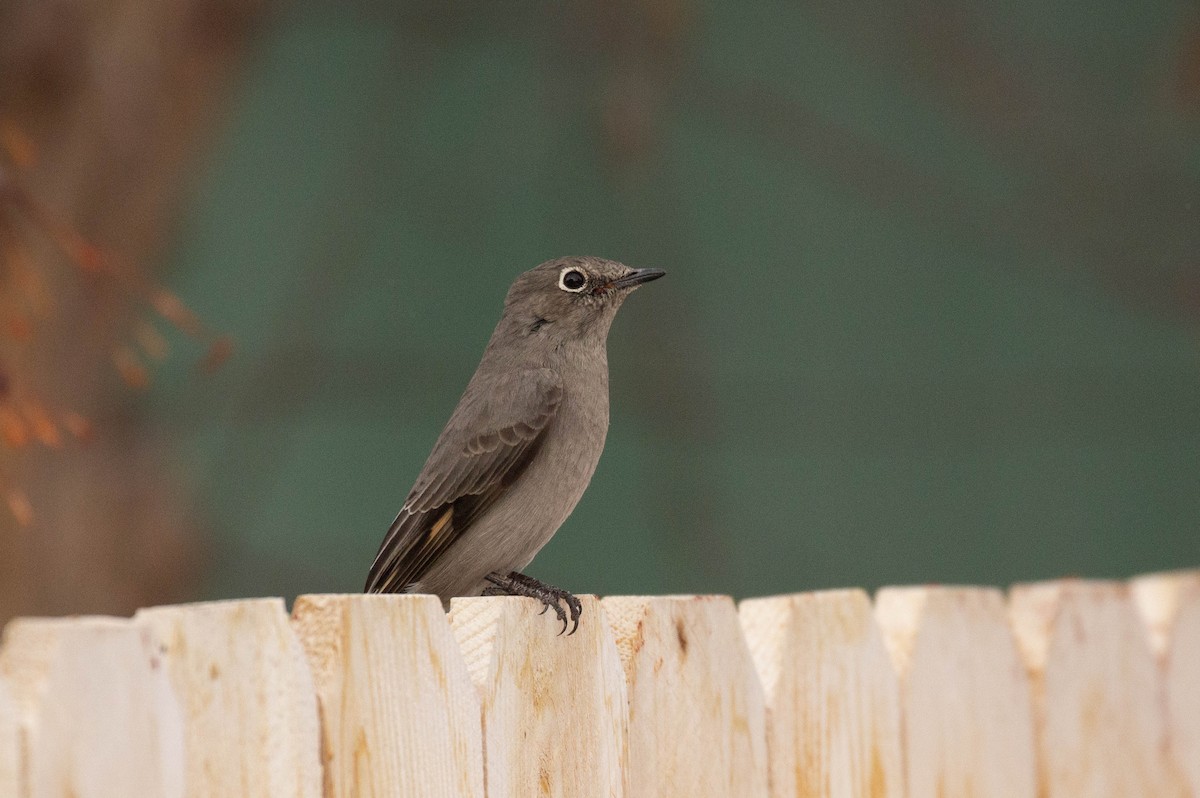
x: 486, y: 446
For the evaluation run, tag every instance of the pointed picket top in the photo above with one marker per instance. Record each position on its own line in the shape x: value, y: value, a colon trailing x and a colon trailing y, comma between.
x: 1099, y: 726
x: 696, y: 713
x: 98, y: 717
x: 554, y: 709
x: 1162, y: 598
x: 1170, y: 605
x: 965, y: 697
x: 833, y: 706
x: 249, y: 704
x: 399, y: 714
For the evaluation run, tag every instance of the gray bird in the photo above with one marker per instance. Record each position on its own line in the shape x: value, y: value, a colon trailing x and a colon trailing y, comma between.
x: 520, y: 448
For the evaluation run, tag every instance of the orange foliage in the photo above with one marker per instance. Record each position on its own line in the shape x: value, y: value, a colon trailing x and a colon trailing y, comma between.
x: 25, y: 419
x: 45, y: 431
x: 130, y: 367
x: 12, y: 428
x: 19, y: 506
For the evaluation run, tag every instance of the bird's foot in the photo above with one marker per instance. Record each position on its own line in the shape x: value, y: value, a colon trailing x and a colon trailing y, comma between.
x: 552, y: 598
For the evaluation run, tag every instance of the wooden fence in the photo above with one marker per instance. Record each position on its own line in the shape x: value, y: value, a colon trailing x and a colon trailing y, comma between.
x: 1071, y: 688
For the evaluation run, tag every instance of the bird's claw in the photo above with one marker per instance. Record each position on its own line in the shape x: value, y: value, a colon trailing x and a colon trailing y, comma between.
x: 576, y: 608
x: 518, y: 584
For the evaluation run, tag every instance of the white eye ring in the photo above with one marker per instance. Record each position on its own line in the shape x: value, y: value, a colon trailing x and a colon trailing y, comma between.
x: 562, y: 277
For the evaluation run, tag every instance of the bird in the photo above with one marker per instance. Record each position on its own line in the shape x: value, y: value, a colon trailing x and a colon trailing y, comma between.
x: 520, y: 447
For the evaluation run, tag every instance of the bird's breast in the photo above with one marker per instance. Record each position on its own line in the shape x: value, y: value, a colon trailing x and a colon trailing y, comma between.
x: 578, y: 433
x: 568, y: 454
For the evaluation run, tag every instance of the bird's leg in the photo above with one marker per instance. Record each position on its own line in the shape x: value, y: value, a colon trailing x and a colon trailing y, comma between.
x: 517, y: 584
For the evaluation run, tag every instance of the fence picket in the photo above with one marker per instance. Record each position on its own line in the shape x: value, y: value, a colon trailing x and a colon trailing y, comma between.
x: 554, y: 718
x: 399, y: 714
x: 249, y: 706
x: 98, y: 718
x: 833, y: 709
x: 964, y: 694
x: 1069, y: 689
x: 1170, y: 605
x: 696, y: 714
x: 9, y: 725
x: 1099, y: 726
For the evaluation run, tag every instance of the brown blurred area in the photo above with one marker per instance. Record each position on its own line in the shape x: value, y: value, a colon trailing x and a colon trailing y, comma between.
x: 103, y: 106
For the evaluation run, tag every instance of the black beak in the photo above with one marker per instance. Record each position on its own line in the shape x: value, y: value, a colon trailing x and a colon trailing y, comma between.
x: 636, y: 277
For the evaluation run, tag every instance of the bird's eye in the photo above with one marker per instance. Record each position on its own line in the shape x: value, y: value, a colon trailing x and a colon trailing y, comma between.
x: 572, y: 280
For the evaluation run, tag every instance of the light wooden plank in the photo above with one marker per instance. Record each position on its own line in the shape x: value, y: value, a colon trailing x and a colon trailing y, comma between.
x: 833, y: 706
x: 554, y: 711
x: 9, y: 726
x: 399, y: 714
x: 98, y: 718
x: 965, y: 698
x: 1170, y: 605
x: 250, y: 708
x: 1099, y: 724
x: 696, y: 713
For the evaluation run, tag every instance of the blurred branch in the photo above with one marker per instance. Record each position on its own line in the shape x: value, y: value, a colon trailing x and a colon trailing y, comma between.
x: 103, y: 108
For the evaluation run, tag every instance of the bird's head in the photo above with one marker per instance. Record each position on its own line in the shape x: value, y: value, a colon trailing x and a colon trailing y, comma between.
x: 572, y: 297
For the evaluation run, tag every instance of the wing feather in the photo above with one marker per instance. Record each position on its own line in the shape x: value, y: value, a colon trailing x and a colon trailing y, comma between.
x: 486, y: 445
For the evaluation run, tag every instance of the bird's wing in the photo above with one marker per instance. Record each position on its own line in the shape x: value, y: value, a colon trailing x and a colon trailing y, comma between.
x: 486, y: 445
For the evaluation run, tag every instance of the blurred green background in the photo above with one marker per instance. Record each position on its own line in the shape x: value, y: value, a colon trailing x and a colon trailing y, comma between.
x: 931, y: 312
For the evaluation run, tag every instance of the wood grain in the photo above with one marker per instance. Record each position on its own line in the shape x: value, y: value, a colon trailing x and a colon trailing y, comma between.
x: 399, y: 714
x: 964, y: 693
x: 833, y: 706
x: 696, y: 712
x: 98, y: 718
x: 1099, y: 726
x: 554, y: 707
x: 249, y: 705
x: 1170, y: 605
x: 9, y: 730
